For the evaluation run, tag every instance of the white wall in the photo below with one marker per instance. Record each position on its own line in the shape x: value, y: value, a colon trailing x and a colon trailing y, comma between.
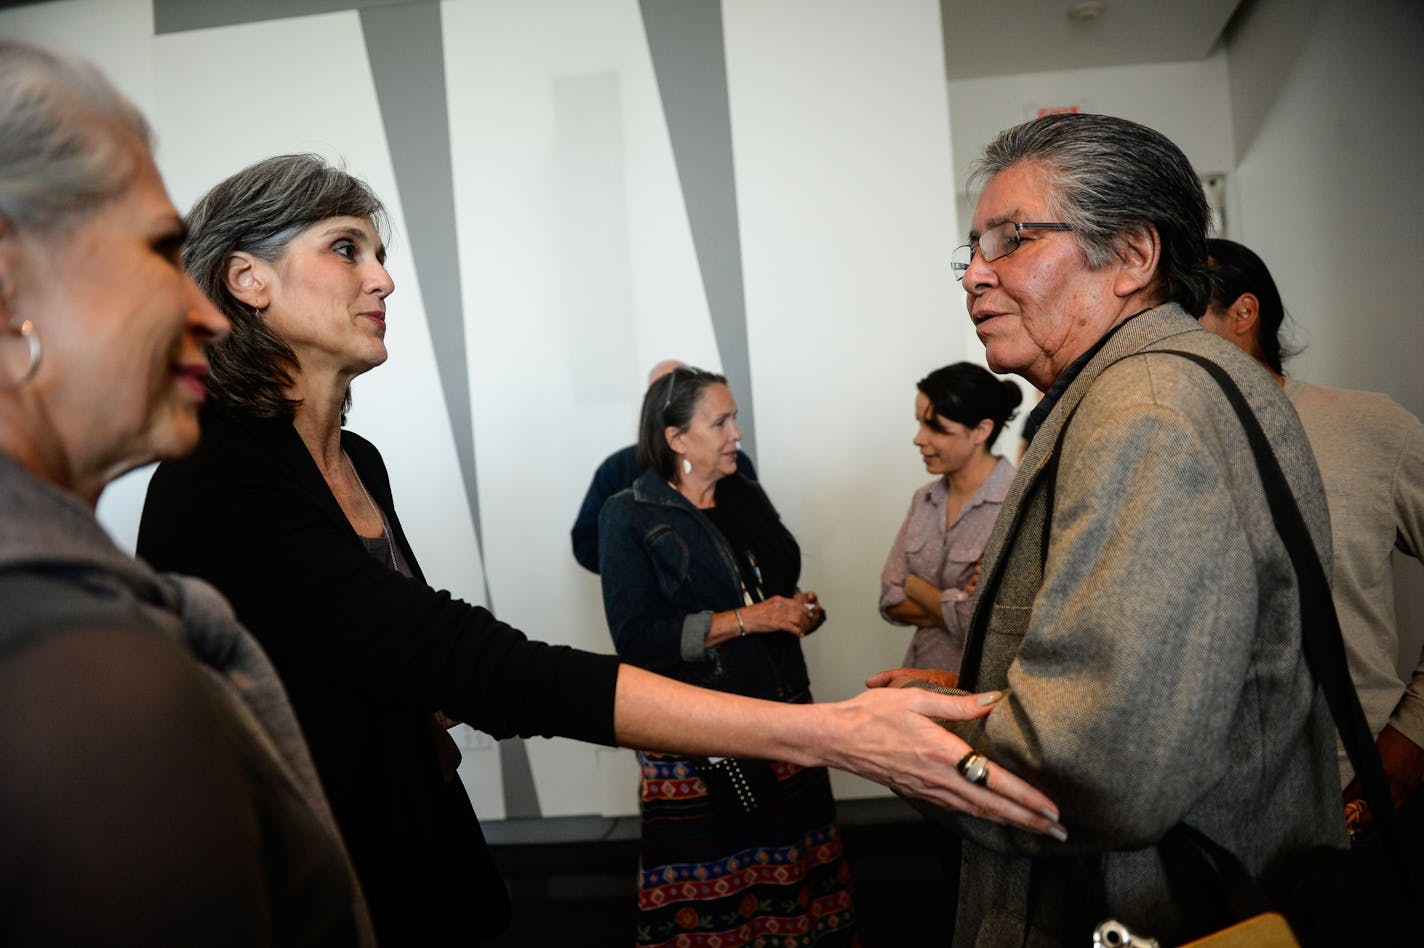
x: 847, y: 219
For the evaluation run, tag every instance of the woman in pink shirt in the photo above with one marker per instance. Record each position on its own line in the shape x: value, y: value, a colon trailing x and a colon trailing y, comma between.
x: 929, y: 576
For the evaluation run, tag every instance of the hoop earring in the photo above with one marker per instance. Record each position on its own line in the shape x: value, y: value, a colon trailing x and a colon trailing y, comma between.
x: 31, y: 335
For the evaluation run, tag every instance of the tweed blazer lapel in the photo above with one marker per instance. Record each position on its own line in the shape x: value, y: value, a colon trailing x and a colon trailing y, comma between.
x: 1012, y: 569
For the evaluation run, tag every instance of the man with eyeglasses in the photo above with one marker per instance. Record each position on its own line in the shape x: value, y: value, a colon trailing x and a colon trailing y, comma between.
x: 1137, y: 606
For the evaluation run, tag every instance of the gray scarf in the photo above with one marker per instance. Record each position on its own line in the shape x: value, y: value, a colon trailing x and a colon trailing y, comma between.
x: 47, y: 529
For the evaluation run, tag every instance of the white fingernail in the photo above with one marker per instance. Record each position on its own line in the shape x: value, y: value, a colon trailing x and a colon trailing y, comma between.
x: 1058, y: 833
x: 988, y: 698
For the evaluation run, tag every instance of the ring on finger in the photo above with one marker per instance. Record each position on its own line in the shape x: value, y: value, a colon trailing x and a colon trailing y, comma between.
x: 975, y: 768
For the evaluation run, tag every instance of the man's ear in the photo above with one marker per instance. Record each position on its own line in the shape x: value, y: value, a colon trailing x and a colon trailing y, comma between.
x: 1244, y: 315
x: 245, y: 277
x: 1138, y: 251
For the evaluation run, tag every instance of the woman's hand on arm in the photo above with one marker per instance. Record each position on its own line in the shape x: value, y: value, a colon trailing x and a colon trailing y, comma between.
x: 972, y: 583
x: 886, y: 735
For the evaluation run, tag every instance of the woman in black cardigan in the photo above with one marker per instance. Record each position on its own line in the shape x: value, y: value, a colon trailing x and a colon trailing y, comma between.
x: 292, y: 518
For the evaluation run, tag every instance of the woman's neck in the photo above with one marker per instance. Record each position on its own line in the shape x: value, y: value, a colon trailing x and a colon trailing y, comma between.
x: 318, y: 420
x: 971, y: 477
x: 38, y: 447
x: 701, y: 494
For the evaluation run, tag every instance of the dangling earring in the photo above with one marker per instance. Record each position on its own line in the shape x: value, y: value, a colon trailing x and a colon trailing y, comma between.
x: 686, y: 467
x: 27, y: 332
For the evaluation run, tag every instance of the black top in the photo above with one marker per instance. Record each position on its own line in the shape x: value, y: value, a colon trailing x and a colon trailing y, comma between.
x: 766, y: 567
x: 367, y: 655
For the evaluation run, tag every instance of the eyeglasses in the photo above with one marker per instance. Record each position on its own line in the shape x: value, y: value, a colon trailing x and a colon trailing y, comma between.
x: 996, y: 243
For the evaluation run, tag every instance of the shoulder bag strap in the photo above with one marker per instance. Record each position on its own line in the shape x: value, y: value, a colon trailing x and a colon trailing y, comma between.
x: 1322, y: 642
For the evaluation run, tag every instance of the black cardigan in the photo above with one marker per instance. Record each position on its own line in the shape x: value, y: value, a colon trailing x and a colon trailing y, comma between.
x: 367, y: 655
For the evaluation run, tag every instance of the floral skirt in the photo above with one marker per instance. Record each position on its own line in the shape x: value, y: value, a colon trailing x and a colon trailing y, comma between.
x: 774, y: 878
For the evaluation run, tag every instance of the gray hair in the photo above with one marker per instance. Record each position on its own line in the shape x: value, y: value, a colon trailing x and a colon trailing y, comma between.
x: 1111, y: 176
x: 67, y: 138
x: 259, y: 210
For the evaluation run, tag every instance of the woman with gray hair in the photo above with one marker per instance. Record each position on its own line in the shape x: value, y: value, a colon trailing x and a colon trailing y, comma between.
x: 154, y: 787
x: 292, y: 517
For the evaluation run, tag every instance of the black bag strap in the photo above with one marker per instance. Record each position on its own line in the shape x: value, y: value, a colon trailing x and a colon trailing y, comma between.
x: 1322, y: 641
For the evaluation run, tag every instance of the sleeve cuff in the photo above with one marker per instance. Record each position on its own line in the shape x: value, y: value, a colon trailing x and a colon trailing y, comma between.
x: 694, y: 636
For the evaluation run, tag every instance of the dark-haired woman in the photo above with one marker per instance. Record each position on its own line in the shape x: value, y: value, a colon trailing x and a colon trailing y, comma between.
x: 700, y: 584
x: 293, y: 518
x: 929, y: 576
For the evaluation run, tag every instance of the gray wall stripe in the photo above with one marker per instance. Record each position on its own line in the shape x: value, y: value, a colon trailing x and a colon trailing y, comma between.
x: 407, y: 58
x: 685, y: 40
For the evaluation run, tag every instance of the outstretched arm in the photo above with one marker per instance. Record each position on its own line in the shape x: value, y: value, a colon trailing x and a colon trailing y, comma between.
x: 886, y: 735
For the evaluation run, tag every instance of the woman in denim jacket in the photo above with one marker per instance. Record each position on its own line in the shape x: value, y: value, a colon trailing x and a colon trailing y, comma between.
x: 700, y: 584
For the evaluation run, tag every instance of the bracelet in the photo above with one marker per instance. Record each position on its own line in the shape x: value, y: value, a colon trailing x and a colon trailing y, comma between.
x: 740, y: 624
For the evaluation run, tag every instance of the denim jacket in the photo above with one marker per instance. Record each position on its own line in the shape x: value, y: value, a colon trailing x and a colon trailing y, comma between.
x: 667, y: 569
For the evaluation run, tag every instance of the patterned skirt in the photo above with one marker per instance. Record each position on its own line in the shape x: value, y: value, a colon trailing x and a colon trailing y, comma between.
x: 774, y: 878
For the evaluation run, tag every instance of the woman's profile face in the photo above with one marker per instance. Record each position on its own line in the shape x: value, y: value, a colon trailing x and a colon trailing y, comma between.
x: 326, y: 297
x: 945, y: 446
x: 121, y: 378
x: 711, y: 439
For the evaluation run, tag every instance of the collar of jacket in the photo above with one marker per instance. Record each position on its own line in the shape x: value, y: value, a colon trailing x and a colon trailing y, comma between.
x: 651, y: 488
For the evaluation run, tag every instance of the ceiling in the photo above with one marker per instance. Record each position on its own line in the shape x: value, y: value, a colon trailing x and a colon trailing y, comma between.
x: 1006, y: 37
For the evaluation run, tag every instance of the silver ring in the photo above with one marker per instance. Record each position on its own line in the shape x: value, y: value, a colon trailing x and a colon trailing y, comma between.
x: 975, y: 768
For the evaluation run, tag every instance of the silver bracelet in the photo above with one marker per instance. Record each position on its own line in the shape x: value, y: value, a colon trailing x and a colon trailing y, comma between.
x: 740, y: 625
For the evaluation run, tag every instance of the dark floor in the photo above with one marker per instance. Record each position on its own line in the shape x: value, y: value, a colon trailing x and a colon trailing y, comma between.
x: 587, y: 888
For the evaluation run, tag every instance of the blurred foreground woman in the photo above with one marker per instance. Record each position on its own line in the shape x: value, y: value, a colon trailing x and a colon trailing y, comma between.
x: 154, y: 787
